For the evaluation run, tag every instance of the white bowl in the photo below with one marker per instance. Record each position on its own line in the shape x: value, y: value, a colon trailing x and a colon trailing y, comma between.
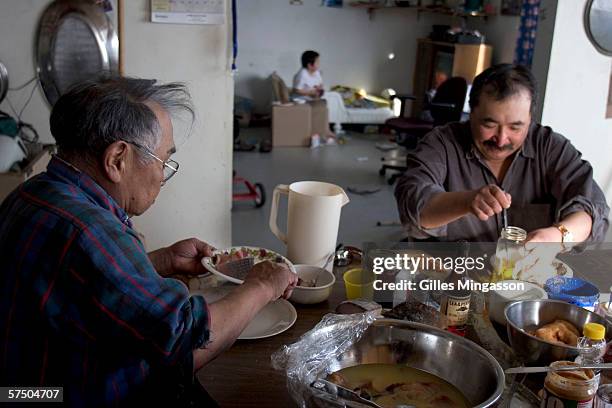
x: 498, y: 299
x: 308, y: 295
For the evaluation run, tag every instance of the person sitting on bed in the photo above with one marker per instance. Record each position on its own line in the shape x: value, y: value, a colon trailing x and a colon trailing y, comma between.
x: 308, y: 83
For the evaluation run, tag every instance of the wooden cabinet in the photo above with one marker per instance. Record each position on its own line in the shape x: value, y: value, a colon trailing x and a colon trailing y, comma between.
x: 437, y: 61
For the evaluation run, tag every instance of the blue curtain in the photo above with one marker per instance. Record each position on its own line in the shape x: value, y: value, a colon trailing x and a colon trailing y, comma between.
x: 332, y: 3
x: 525, y: 43
x: 234, y: 36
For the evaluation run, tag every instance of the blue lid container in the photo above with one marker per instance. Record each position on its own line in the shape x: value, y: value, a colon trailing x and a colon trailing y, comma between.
x: 572, y: 290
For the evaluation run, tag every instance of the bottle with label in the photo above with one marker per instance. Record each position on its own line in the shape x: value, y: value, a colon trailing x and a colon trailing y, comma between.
x: 592, y: 346
x: 455, y: 302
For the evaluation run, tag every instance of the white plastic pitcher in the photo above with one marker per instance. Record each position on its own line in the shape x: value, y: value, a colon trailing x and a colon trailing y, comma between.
x: 313, y: 218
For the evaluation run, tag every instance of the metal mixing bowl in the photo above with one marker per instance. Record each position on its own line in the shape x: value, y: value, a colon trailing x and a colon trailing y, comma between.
x: 527, y: 315
x: 461, y: 362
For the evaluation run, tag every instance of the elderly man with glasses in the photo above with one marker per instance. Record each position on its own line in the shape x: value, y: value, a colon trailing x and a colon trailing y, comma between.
x: 82, y: 305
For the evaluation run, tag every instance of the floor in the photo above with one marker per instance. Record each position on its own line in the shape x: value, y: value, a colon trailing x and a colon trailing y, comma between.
x: 355, y: 163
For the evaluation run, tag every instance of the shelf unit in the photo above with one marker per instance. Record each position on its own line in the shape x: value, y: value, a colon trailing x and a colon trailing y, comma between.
x: 468, y: 60
x: 370, y: 8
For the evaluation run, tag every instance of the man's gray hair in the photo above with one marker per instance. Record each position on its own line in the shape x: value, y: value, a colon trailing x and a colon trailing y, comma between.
x: 96, y: 113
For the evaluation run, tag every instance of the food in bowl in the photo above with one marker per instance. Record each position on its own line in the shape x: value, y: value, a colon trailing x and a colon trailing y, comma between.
x: 307, y: 283
x: 388, y: 341
x: 233, y: 264
x: 525, y: 316
x: 315, y: 284
x: 559, y: 332
x: 390, y: 385
x: 237, y: 253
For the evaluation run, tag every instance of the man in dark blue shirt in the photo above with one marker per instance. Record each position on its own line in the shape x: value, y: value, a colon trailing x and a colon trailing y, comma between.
x: 82, y: 305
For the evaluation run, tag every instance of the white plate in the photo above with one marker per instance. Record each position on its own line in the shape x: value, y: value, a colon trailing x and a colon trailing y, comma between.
x: 541, y: 273
x: 273, y: 319
x: 209, y: 265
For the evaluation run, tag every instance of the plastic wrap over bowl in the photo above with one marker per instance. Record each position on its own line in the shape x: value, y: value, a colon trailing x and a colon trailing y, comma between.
x: 387, y: 341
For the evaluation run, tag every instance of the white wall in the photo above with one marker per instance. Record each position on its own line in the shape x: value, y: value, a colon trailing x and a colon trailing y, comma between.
x: 273, y: 34
x: 501, y: 32
x: 577, y: 90
x: 197, y: 201
x: 543, y: 46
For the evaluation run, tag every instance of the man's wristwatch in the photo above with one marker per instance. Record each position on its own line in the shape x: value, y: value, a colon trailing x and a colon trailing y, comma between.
x: 566, y: 235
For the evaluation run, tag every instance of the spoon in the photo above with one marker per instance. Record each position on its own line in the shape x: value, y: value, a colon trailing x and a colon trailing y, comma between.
x: 345, y: 393
x: 311, y: 283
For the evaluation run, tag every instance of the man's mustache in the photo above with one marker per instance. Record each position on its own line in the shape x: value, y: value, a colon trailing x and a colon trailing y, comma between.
x: 492, y: 145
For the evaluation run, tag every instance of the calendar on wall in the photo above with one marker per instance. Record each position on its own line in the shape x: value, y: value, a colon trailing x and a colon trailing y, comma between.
x: 188, y: 11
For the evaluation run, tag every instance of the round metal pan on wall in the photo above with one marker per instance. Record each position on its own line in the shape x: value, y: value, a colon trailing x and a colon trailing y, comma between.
x: 76, y: 41
x: 4, y: 81
x: 598, y: 24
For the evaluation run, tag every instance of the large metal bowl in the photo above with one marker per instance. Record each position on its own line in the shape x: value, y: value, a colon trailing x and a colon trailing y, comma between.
x: 461, y: 362
x: 527, y: 315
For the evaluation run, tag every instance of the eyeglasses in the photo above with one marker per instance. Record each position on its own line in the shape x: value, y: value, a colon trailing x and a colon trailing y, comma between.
x: 170, y: 167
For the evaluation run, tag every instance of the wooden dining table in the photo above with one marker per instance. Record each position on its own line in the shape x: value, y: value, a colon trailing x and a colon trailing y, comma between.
x: 243, y: 375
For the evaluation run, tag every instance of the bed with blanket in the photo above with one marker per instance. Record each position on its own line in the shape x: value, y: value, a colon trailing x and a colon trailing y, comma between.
x: 344, y: 104
x: 349, y: 106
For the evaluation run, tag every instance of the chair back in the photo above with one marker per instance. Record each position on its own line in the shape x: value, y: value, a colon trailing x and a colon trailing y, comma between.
x: 280, y: 90
x: 452, y: 91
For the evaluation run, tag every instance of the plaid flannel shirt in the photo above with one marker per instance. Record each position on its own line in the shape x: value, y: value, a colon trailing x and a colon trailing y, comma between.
x: 81, y: 305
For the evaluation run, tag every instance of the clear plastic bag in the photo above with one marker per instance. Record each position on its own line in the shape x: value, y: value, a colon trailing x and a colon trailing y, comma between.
x: 307, y: 359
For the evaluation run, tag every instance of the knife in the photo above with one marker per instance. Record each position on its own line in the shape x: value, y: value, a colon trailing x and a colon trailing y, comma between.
x: 530, y: 370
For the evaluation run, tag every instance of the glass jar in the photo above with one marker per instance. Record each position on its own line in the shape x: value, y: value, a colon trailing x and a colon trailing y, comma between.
x: 510, y: 248
x: 606, y: 375
x: 569, y: 388
x: 603, y: 399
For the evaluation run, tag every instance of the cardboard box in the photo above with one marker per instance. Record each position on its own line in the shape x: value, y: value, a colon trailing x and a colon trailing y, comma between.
x: 294, y: 124
x: 10, y: 180
x: 319, y: 122
x: 291, y: 125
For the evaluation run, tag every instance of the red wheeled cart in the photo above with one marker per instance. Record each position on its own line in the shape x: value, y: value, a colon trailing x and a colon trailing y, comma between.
x: 254, y: 192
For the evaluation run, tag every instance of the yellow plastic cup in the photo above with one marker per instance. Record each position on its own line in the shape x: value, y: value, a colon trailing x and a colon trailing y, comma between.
x: 358, y: 284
